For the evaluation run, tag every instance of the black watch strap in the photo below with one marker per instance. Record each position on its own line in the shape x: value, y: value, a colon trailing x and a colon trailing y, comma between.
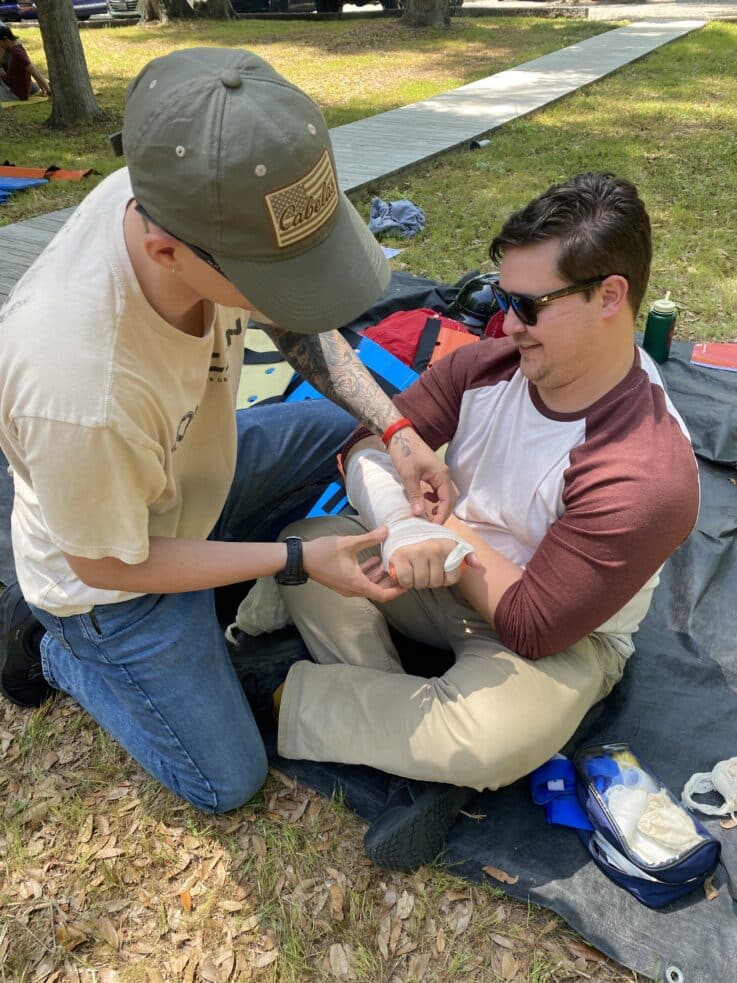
x: 294, y: 572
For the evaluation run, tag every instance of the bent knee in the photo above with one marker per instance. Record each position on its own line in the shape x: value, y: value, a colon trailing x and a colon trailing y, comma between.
x: 233, y: 791
x: 324, y: 525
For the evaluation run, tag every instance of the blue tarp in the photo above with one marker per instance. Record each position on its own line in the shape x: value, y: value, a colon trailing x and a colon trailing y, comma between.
x: 8, y: 185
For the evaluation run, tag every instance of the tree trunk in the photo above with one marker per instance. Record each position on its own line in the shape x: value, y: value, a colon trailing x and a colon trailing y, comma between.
x: 72, y: 100
x: 426, y: 13
x: 178, y: 9
x: 152, y: 10
x: 217, y: 9
x: 163, y: 11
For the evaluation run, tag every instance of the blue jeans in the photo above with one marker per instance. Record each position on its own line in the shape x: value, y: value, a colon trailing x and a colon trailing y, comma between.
x: 154, y: 672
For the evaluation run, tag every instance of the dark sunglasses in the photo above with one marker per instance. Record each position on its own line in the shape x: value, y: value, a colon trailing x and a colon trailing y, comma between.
x: 526, y: 306
x: 200, y: 253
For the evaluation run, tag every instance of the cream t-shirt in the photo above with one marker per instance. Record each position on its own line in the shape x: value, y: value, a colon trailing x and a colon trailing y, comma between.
x: 117, y: 426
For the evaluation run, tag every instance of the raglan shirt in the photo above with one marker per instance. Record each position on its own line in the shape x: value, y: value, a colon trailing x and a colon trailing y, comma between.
x: 590, y: 504
x: 18, y: 72
x: 117, y: 427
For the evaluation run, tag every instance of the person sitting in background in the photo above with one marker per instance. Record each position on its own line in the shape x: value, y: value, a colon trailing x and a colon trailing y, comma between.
x: 576, y: 482
x: 17, y: 71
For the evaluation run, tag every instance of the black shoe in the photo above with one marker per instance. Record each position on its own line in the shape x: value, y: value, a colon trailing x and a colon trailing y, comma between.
x: 21, y: 679
x: 262, y: 663
x: 412, y: 828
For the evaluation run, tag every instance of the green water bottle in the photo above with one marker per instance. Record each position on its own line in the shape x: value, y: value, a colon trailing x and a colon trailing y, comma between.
x: 661, y: 322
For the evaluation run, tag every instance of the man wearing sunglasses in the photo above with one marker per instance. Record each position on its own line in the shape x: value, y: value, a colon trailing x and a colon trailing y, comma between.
x: 138, y: 489
x: 576, y: 481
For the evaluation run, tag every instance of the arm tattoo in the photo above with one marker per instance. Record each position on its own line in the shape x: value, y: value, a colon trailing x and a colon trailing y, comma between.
x: 400, y: 439
x: 329, y: 363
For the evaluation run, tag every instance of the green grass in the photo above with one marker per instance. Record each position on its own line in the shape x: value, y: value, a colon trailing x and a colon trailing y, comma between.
x: 666, y: 122
x: 352, y: 69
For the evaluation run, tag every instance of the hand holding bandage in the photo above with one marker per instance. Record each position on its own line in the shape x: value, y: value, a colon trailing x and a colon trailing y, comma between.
x: 375, y: 491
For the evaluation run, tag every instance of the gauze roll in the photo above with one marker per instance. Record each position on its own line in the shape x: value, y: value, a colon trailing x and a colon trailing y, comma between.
x: 376, y: 493
x: 722, y: 779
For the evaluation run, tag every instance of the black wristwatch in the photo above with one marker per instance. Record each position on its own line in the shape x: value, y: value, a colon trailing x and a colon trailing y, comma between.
x: 294, y: 572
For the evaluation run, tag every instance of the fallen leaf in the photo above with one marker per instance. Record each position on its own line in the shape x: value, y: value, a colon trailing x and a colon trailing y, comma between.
x: 382, y: 939
x: 405, y: 905
x: 226, y: 962
x: 440, y: 941
x: 503, y: 941
x: 296, y: 814
x: 69, y: 936
x: 230, y: 905
x: 42, y: 970
x: 154, y: 976
x: 209, y: 971
x: 106, y: 930
x: 456, y: 895
x: 461, y: 917
x: 108, y: 852
x: 417, y: 966
x: 337, y: 901
x: 500, y: 875
x: 339, y: 961
x: 265, y: 959
x: 710, y: 892
x: 394, y: 935
x: 186, y: 898
x: 582, y: 950
x: 36, y: 813
x: 509, y: 966
x: 250, y: 923
x: 118, y: 793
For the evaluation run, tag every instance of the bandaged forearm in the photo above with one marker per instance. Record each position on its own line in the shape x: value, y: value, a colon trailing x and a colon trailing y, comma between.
x: 376, y: 493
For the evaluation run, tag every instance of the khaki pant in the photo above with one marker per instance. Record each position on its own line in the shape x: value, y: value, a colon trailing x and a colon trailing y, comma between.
x: 490, y: 719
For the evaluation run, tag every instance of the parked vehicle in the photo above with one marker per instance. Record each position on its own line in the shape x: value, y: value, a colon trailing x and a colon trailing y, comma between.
x: 321, y: 6
x: 122, y: 8
x: 9, y: 11
x: 84, y: 9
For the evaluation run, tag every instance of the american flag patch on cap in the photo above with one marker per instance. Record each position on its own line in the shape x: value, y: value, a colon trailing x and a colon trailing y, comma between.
x: 302, y: 208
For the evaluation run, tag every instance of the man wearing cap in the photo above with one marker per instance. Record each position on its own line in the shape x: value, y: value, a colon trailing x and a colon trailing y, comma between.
x: 138, y: 489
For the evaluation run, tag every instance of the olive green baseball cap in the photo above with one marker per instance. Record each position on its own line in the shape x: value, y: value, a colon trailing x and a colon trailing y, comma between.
x: 227, y: 155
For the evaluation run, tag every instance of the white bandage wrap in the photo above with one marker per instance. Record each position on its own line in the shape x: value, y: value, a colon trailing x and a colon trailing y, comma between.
x: 376, y: 493
x: 722, y: 779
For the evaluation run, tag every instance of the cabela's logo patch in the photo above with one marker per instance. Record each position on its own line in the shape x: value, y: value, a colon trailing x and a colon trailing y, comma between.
x: 300, y: 209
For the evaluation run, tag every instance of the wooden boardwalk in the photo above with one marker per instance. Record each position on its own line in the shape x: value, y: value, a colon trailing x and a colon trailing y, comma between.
x: 378, y: 146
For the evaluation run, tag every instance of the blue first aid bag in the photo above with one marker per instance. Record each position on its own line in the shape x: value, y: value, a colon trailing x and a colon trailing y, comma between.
x: 636, y: 832
x: 643, y: 838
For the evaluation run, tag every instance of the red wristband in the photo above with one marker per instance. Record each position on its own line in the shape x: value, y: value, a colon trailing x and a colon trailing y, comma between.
x: 394, y: 428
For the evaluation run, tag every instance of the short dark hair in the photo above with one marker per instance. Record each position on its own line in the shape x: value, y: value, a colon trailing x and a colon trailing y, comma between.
x: 6, y: 34
x: 602, y: 225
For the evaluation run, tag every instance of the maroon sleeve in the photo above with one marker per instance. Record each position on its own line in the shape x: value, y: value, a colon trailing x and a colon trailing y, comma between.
x: 18, y: 76
x: 629, y: 504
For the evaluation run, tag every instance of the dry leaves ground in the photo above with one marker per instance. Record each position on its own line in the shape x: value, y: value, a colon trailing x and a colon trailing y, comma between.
x: 107, y: 877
